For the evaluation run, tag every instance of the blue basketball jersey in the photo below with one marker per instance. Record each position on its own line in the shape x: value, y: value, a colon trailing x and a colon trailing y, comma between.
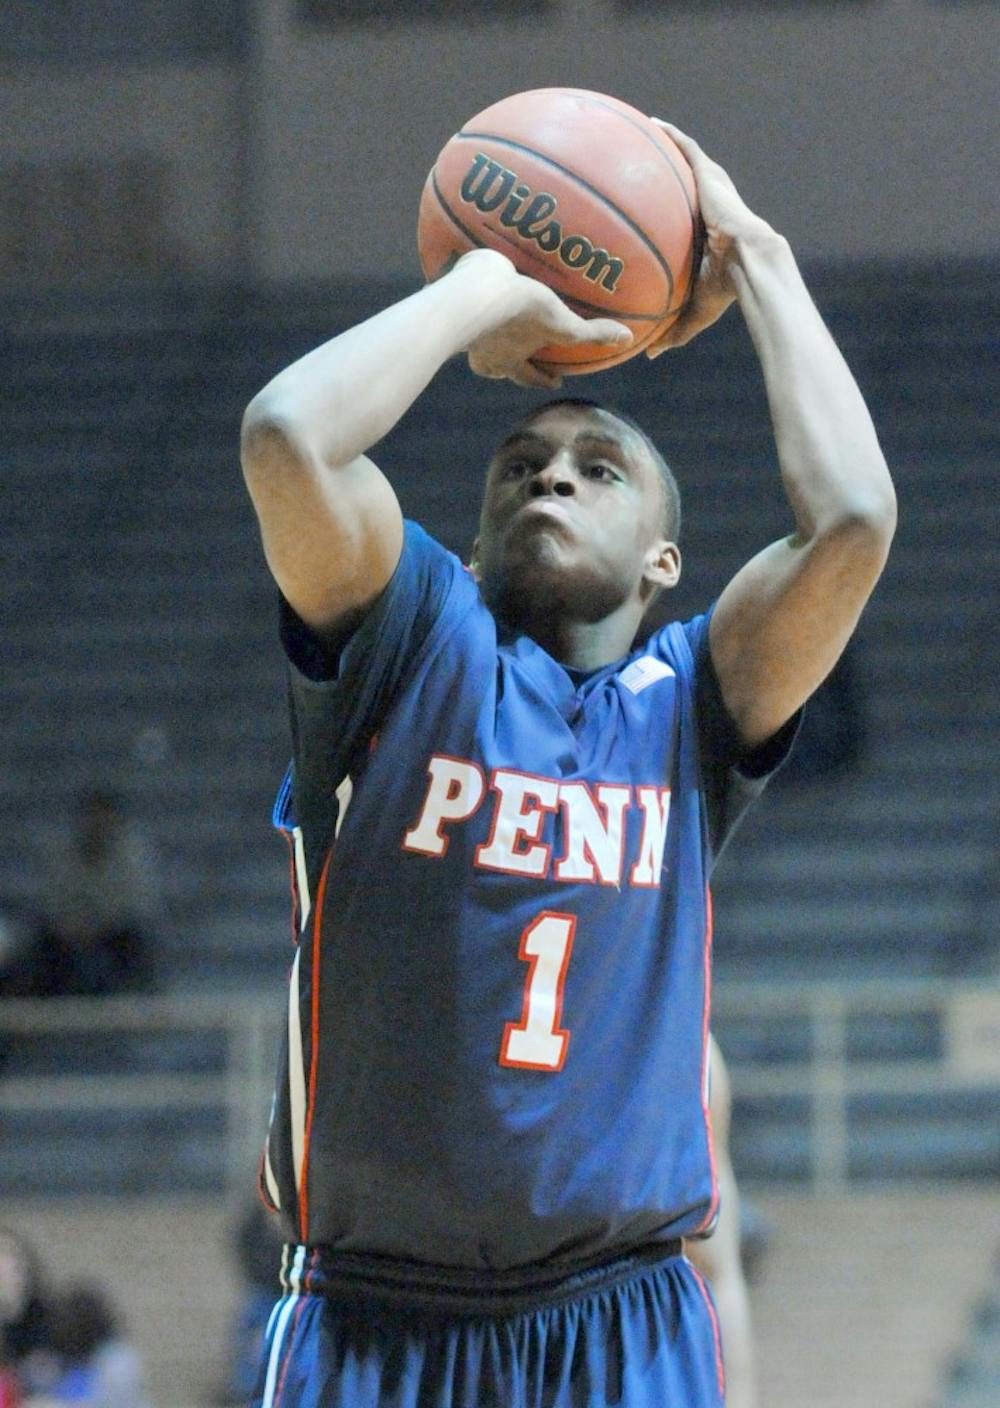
x: 499, y: 1001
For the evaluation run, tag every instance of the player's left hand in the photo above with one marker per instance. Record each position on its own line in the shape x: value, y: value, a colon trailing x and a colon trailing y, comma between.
x: 727, y: 219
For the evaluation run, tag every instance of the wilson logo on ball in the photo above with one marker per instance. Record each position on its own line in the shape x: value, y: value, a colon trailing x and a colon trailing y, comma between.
x: 492, y: 187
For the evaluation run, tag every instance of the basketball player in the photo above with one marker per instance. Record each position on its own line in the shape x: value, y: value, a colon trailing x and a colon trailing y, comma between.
x: 490, y: 1132
x: 718, y: 1257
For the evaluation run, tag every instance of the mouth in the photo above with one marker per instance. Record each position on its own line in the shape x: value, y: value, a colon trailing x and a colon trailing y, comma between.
x: 544, y: 508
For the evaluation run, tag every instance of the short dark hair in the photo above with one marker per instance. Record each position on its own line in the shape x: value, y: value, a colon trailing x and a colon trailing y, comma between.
x: 671, y: 492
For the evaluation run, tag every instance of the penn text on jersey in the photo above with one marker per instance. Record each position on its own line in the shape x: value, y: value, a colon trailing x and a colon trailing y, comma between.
x: 594, y: 823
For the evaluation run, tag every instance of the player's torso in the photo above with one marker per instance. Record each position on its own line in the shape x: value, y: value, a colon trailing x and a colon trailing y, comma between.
x: 502, y: 989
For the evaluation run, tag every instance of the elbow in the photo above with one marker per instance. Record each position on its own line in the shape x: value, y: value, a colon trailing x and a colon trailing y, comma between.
x: 269, y: 441
x: 873, y: 522
x: 861, y: 542
x: 866, y: 520
x: 880, y: 512
x: 264, y: 424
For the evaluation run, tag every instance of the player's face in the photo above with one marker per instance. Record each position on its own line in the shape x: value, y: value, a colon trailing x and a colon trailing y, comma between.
x: 572, y: 515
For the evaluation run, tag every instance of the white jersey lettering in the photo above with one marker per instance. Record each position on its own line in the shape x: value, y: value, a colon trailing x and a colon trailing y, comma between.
x: 521, y: 836
x: 655, y: 804
x: 515, y: 822
x: 454, y: 792
x: 590, y: 841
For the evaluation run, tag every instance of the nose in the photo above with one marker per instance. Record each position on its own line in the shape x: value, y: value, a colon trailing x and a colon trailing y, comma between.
x: 555, y: 478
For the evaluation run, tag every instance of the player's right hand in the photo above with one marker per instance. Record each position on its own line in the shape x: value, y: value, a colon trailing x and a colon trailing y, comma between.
x: 529, y: 316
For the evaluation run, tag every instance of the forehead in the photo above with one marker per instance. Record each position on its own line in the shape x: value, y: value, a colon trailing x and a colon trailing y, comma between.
x: 583, y: 426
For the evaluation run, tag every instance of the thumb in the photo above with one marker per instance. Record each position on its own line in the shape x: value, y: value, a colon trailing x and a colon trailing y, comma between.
x: 602, y: 330
x: 679, y: 332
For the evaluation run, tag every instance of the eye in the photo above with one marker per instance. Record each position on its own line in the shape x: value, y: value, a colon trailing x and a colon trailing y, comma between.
x: 515, y: 469
x: 599, y: 470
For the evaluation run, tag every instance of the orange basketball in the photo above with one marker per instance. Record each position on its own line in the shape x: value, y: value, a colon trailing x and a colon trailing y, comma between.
x: 582, y: 192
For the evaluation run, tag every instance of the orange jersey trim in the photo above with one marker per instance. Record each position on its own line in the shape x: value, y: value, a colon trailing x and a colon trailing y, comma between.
x: 713, y: 1206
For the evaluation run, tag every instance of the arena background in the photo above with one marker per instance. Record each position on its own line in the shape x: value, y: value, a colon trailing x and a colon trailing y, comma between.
x: 190, y: 196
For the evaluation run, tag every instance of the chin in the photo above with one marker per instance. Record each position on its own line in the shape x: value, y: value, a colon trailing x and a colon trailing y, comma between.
x: 533, y: 565
x: 546, y: 583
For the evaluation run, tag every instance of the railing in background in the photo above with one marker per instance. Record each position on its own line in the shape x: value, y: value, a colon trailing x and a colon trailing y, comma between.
x: 248, y: 1026
x: 968, y: 1054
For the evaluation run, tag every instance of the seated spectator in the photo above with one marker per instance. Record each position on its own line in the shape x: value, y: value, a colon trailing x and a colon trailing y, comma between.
x: 25, y: 1356
x: 97, y: 1366
x: 101, y: 903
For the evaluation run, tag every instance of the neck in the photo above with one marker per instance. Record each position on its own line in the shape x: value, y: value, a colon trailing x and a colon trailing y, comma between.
x: 582, y: 645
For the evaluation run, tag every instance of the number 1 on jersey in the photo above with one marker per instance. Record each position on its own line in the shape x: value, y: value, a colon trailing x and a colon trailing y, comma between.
x: 537, y: 1042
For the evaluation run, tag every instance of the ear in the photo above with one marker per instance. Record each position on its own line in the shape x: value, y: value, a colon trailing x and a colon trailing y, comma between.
x: 473, y: 563
x: 662, y: 568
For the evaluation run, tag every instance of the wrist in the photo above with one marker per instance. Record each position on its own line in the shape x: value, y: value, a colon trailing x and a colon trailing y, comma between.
x: 758, y: 248
x: 486, y: 291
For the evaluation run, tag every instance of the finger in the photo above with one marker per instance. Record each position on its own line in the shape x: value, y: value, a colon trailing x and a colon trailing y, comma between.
x: 676, y: 335
x: 484, y: 369
x: 665, y: 343
x: 531, y: 376
x: 687, y: 144
x: 700, y: 162
x: 601, y: 330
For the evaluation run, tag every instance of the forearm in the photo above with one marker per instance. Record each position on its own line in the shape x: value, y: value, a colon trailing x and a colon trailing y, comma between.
x: 733, y: 1309
x: 341, y: 398
x: 832, y: 466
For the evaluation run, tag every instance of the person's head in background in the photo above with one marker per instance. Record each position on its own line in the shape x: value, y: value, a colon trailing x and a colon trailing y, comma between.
x: 83, y: 1319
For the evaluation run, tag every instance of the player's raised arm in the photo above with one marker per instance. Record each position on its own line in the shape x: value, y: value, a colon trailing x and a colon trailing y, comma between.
x: 330, y: 521
x: 782, y: 622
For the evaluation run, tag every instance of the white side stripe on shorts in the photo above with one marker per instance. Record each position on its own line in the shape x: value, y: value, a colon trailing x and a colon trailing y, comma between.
x: 284, y: 1310
x: 278, y: 1306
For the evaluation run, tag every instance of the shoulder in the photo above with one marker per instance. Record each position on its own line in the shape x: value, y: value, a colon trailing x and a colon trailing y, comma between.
x: 428, y: 584
x: 424, y: 552
x: 683, y: 645
x: 430, y: 593
x: 427, y: 567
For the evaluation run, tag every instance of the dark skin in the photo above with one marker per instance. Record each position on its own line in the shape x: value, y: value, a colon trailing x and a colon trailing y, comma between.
x: 571, y: 549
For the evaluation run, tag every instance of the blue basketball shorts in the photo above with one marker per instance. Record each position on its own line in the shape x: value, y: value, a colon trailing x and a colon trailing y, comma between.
x: 637, y: 1332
